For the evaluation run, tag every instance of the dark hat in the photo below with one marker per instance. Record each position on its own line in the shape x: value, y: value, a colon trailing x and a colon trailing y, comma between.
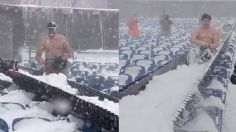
x: 205, y: 15
x: 52, y: 25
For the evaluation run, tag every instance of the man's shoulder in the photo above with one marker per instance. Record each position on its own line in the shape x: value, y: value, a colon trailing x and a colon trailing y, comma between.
x: 43, y: 37
x: 60, y: 36
x: 215, y: 29
x: 197, y: 29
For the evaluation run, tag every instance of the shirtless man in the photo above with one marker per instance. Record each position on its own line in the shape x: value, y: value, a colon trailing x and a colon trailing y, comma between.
x: 57, y: 51
x: 206, y: 38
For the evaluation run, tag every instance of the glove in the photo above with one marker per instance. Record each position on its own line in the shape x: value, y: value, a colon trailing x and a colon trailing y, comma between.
x: 59, y: 64
x: 203, y: 47
x: 213, y: 50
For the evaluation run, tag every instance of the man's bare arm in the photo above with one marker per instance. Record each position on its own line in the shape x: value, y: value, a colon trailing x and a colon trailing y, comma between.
x: 40, y: 49
x: 67, y: 50
x: 216, y: 39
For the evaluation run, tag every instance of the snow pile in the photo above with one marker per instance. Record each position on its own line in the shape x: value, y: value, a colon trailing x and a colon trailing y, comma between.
x: 43, y: 105
x: 202, y: 122
x: 212, y: 102
x: 106, y: 104
x: 216, y: 84
x: 101, y: 57
x: 17, y: 96
x: 32, y: 125
x: 36, y: 124
x: 116, y: 88
x: 9, y: 112
x: 5, y: 78
x: 230, y: 111
x: 153, y: 109
x: 57, y: 80
x: 60, y: 81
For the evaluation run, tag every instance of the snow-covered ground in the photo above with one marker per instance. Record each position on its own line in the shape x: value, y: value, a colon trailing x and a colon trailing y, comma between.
x: 154, y: 109
x: 43, y: 110
x: 9, y: 112
x: 5, y: 78
x: 60, y: 81
x: 230, y: 111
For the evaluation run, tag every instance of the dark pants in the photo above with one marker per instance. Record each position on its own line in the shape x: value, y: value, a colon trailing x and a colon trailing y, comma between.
x: 49, y: 68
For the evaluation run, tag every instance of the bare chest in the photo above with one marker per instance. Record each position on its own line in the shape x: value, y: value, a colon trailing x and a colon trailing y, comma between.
x: 206, y: 34
x: 53, y: 44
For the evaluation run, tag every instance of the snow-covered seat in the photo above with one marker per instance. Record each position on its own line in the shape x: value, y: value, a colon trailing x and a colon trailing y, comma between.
x: 124, y: 62
x: 147, y: 64
x: 157, y: 49
x: 159, y: 58
x: 168, y: 52
x: 135, y: 71
x: 124, y: 79
x: 176, y: 50
x: 95, y: 82
x: 108, y: 83
x: 138, y: 57
x: 129, y: 53
x: 3, y: 126
x: 126, y: 48
x: 149, y: 53
x: 123, y: 56
x: 142, y: 48
x: 12, y: 105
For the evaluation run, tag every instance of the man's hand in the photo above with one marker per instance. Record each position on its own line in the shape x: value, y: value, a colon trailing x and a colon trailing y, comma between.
x: 213, y: 50
x: 65, y: 56
x: 42, y: 61
x: 204, y: 45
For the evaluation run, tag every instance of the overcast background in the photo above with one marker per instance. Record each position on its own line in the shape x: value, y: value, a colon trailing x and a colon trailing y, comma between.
x: 176, y: 8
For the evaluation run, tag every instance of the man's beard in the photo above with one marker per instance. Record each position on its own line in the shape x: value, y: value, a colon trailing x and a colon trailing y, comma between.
x: 52, y: 35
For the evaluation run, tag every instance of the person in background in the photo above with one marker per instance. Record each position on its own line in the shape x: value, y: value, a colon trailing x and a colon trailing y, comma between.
x: 132, y: 24
x: 57, y: 51
x: 165, y: 24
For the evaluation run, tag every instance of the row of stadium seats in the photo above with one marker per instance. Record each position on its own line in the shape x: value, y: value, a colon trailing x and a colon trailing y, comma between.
x: 142, y: 55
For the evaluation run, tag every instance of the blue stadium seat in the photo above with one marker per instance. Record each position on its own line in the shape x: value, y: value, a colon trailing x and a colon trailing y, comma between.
x: 168, y: 53
x: 108, y: 83
x: 129, y: 53
x: 157, y: 49
x: 138, y: 57
x: 80, y: 80
x: 147, y: 64
x: 3, y: 126
x: 124, y: 79
x: 135, y: 71
x: 126, y: 48
x: 18, y: 120
x: 158, y: 58
x: 124, y: 63
x: 149, y: 53
x: 123, y: 56
x: 95, y: 82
